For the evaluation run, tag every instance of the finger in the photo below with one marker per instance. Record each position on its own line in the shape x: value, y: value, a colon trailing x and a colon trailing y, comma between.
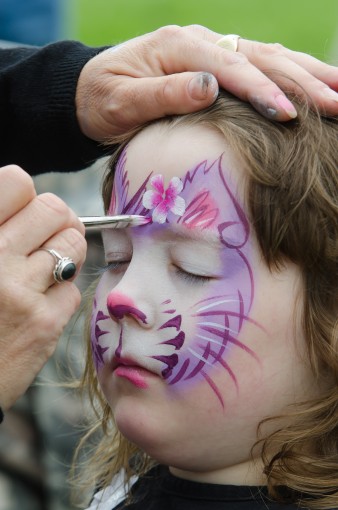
x: 17, y: 190
x: 138, y: 101
x: 297, y: 72
x: 245, y: 78
x: 67, y: 243
x: 179, y: 51
x: 258, y: 52
x: 62, y: 301
x: 42, y: 218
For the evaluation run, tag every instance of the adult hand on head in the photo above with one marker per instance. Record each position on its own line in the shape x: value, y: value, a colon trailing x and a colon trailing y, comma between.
x: 34, y: 309
x: 176, y: 70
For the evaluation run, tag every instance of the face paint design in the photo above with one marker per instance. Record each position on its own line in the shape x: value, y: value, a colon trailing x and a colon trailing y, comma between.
x: 161, y: 200
x: 215, y: 322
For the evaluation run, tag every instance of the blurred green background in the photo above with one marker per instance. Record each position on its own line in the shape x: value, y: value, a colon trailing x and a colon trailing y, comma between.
x: 305, y: 25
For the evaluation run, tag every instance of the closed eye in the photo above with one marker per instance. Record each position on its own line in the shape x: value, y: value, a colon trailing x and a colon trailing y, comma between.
x: 192, y: 277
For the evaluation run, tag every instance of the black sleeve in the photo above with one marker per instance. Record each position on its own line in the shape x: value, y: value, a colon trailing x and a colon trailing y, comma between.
x: 38, y: 125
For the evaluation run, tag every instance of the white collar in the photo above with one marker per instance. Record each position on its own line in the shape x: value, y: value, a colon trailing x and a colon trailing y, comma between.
x: 111, y: 496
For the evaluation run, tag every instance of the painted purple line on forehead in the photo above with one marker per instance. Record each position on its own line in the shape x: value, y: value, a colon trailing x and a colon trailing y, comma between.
x: 121, y: 189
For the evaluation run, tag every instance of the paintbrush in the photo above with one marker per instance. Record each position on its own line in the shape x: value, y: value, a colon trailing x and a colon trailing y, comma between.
x: 121, y: 221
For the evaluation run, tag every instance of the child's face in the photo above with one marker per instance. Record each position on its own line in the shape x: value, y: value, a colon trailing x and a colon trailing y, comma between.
x: 194, y: 340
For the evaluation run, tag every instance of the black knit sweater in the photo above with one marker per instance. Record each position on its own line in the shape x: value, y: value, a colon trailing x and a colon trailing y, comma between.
x: 38, y: 125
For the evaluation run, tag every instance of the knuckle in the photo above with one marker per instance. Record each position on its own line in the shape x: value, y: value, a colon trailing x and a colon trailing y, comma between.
x: 123, y: 105
x: 162, y: 94
x: 75, y: 241
x: 52, y: 320
x: 168, y: 31
x: 200, y: 30
x: 237, y: 59
x: 15, y: 170
x: 11, y: 299
x: 55, y: 204
x: 22, y: 179
x: 271, y: 49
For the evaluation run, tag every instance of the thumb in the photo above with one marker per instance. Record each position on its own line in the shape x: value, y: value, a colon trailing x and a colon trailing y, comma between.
x: 146, y: 99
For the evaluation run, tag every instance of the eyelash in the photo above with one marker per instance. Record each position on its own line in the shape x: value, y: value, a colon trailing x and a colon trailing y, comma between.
x: 191, y: 277
x: 113, y: 266
x: 185, y: 275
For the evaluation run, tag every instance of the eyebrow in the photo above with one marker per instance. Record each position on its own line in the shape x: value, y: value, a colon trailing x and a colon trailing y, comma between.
x: 195, y: 234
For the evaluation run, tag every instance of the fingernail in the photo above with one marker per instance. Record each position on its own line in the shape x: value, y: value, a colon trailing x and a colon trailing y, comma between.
x: 200, y: 85
x: 330, y: 94
x: 286, y: 105
x: 263, y: 108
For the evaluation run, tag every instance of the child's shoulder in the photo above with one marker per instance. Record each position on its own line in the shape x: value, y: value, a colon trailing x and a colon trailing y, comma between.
x: 160, y: 490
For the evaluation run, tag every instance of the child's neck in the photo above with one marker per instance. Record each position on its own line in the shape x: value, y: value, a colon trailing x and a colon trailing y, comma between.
x: 246, y: 473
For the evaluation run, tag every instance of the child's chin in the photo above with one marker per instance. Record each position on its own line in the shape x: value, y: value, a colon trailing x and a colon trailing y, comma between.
x: 145, y: 428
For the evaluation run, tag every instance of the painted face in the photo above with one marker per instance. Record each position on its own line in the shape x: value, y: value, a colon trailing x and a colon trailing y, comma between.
x: 181, y: 341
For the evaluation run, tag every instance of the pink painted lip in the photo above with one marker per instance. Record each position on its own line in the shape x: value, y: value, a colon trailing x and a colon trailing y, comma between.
x: 130, y: 370
x: 136, y: 375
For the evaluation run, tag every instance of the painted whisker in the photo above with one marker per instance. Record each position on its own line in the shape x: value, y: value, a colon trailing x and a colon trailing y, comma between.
x: 199, y: 357
x: 201, y: 363
x: 227, y: 368
x: 211, y: 298
x: 217, y: 326
x: 246, y: 318
x: 213, y: 387
x: 244, y: 347
x: 181, y: 372
x: 212, y: 340
x: 215, y: 304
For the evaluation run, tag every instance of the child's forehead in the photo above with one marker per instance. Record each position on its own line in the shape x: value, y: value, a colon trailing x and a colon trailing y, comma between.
x: 172, y: 151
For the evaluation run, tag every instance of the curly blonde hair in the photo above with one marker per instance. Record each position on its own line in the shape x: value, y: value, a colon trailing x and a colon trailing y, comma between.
x: 292, y: 195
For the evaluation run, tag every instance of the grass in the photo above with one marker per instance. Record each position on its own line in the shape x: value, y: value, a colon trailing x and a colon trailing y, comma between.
x: 305, y: 25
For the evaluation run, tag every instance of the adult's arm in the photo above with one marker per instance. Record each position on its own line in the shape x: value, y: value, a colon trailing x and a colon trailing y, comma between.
x: 39, y: 129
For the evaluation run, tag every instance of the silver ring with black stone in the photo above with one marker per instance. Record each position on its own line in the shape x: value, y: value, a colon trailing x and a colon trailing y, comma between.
x: 65, y: 267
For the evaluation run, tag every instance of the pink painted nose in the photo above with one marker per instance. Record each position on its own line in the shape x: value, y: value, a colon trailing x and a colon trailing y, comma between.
x: 119, y: 306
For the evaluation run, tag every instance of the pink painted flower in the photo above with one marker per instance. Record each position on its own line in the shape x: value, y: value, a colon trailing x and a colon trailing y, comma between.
x: 162, y: 201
